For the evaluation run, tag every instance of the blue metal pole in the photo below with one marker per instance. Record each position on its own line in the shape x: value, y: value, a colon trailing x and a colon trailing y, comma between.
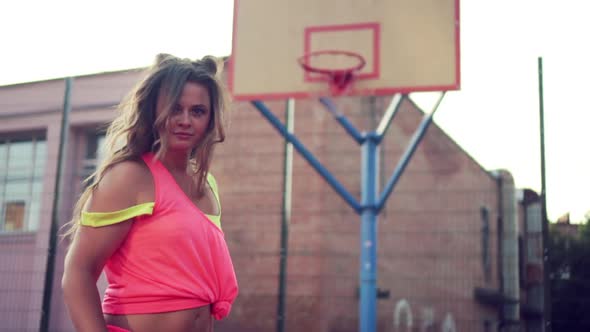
x: 347, y: 125
x: 308, y: 156
x: 405, y: 158
x: 368, y: 267
x: 370, y: 205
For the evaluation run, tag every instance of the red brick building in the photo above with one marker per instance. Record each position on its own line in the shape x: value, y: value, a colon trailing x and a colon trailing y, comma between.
x: 455, y: 241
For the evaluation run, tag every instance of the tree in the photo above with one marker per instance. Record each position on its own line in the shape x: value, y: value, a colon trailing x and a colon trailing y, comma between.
x: 569, y: 264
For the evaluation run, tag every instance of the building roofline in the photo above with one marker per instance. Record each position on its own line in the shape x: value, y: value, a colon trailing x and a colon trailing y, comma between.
x: 57, y: 79
x: 88, y: 75
x: 457, y: 145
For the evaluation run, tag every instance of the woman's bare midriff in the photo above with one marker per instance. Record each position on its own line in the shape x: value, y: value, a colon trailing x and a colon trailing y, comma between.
x: 190, y: 320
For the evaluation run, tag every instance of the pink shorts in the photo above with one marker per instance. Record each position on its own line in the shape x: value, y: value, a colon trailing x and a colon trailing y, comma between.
x: 113, y: 328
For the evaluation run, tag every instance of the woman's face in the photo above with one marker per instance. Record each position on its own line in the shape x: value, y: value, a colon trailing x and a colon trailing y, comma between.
x: 189, y: 118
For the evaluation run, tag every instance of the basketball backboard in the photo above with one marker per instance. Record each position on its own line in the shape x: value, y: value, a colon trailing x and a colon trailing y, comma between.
x: 407, y: 46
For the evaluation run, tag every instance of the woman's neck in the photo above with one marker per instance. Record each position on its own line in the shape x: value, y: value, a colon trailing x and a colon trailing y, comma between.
x: 176, y: 161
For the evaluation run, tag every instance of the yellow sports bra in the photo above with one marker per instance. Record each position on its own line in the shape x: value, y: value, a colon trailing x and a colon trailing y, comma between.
x: 99, y: 219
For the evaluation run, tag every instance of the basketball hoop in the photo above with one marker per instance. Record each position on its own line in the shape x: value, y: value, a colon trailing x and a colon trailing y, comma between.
x: 339, y: 79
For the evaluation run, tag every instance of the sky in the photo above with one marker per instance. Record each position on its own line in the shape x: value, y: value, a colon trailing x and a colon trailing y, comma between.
x: 494, y: 117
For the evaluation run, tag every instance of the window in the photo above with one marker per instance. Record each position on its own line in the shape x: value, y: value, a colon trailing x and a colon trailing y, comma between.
x: 521, y: 261
x: 22, y: 167
x: 14, y: 215
x: 94, y: 153
x: 485, y: 244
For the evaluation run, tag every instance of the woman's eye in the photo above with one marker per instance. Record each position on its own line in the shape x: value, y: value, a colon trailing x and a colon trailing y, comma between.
x: 198, y: 111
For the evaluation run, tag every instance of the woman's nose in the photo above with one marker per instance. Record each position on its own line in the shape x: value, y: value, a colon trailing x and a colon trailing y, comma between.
x: 184, y: 118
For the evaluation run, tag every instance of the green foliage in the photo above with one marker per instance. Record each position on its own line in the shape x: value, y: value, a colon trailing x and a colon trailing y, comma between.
x: 569, y: 264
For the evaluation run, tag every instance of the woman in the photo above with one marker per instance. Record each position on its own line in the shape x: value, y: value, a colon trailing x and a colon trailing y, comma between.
x: 150, y: 217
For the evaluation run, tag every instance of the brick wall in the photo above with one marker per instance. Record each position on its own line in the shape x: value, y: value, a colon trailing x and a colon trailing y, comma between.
x: 429, y: 233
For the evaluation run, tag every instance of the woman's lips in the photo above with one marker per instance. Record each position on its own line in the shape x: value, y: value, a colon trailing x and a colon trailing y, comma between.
x: 183, y: 136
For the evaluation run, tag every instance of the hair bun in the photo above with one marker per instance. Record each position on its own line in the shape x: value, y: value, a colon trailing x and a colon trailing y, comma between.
x: 163, y: 57
x: 211, y: 64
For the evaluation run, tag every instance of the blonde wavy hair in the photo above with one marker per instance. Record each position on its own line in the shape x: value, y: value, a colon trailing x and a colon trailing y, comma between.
x: 134, y: 131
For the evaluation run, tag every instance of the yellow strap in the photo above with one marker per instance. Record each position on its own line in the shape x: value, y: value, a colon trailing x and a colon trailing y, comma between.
x: 99, y: 219
x: 216, y: 219
x: 213, y: 183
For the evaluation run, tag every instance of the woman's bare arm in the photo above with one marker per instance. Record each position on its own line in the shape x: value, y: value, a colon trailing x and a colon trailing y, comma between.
x: 92, y: 246
x: 84, y: 261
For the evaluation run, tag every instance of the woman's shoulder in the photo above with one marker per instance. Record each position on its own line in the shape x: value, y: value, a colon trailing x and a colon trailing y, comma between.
x: 126, y: 173
x: 122, y: 185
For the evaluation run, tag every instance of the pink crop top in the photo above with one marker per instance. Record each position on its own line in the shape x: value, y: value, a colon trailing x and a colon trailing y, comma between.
x: 172, y: 259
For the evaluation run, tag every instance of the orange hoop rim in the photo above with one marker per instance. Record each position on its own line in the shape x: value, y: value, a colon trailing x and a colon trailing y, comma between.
x: 332, y: 72
x: 339, y: 80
